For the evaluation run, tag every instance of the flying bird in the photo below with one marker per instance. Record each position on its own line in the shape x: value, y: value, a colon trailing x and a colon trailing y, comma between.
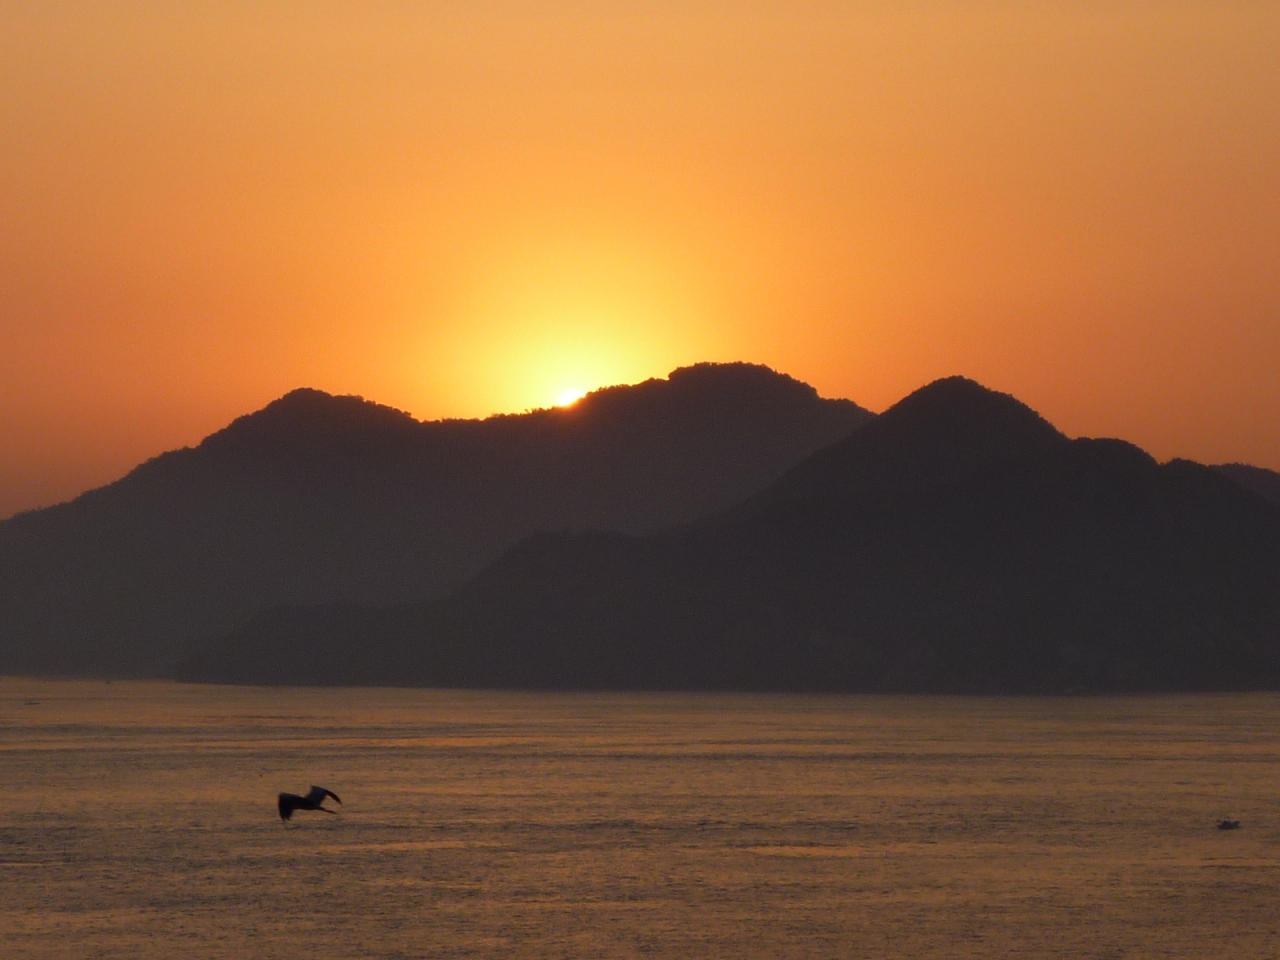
x: 289, y: 802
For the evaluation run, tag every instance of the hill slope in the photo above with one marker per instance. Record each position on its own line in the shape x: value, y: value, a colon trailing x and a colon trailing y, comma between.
x: 958, y: 542
x: 1265, y: 483
x: 320, y: 499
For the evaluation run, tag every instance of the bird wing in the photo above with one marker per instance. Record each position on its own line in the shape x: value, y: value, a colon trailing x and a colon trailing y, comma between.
x: 318, y: 794
x: 286, y: 803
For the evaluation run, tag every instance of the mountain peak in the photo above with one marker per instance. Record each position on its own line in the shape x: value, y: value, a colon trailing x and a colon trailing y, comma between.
x: 308, y: 414
x: 948, y: 429
x: 740, y: 376
x: 304, y: 402
x: 964, y: 409
x: 715, y: 391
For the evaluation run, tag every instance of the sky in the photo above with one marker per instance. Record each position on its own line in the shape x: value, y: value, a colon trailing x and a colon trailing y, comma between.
x: 462, y: 208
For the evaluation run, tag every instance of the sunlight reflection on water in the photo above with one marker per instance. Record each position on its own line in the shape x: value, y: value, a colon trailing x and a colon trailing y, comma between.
x: 139, y: 821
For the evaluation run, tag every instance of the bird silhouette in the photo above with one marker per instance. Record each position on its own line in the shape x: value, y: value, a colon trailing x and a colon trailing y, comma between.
x: 289, y: 802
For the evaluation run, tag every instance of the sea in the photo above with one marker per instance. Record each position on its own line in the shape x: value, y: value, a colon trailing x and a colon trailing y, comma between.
x: 138, y: 820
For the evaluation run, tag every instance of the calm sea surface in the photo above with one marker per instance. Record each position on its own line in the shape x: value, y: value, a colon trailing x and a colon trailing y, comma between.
x: 138, y: 820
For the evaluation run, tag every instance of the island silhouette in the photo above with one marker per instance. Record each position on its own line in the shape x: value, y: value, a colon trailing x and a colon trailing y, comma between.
x: 723, y: 528
x: 956, y: 543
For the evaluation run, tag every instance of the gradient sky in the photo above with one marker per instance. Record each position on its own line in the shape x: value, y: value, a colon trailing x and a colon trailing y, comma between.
x: 461, y: 208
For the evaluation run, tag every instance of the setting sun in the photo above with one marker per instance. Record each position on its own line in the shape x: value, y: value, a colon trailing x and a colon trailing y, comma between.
x: 569, y: 397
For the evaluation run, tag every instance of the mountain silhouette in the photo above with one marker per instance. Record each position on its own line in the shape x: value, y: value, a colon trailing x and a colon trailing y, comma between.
x: 956, y: 543
x: 324, y: 499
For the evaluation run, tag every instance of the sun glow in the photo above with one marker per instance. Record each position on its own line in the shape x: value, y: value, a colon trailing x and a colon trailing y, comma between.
x: 553, y: 314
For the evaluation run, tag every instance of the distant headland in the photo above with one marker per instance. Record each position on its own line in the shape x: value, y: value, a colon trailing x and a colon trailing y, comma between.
x: 723, y: 528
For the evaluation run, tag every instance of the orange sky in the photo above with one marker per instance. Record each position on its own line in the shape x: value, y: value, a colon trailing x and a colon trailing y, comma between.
x: 466, y: 207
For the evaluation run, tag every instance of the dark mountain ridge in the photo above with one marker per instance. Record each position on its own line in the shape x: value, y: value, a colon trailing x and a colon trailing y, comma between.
x: 323, y: 499
x: 956, y: 543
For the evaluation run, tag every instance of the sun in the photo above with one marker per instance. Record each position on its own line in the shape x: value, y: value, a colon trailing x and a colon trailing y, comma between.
x: 570, y: 396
